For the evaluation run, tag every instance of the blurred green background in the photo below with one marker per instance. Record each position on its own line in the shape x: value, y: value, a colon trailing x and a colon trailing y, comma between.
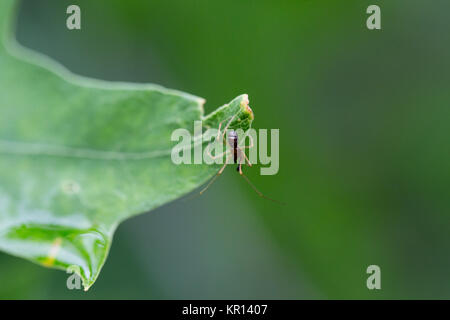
x: 364, y: 119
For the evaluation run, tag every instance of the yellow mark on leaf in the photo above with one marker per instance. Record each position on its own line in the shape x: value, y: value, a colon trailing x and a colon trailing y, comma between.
x: 54, y: 249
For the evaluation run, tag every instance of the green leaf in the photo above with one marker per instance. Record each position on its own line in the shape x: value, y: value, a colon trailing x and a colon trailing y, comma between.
x: 78, y: 155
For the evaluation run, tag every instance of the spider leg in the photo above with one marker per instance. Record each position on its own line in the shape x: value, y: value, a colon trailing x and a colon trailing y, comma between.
x: 246, y: 159
x: 221, y: 154
x: 217, y: 155
x: 226, y: 127
x: 256, y: 189
x: 251, y: 143
x: 223, y: 137
x: 216, y: 176
x: 218, y: 130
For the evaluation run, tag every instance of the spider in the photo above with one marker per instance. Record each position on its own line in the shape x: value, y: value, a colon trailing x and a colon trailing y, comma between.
x: 235, y: 151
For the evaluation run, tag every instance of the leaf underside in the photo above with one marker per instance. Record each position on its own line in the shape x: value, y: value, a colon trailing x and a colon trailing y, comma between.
x: 78, y: 156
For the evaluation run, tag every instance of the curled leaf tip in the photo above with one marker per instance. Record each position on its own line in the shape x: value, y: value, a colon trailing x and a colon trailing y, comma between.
x: 238, y: 108
x: 246, y: 107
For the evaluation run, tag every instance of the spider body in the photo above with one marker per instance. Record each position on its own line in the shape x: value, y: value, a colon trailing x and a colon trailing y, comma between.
x: 233, y: 142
